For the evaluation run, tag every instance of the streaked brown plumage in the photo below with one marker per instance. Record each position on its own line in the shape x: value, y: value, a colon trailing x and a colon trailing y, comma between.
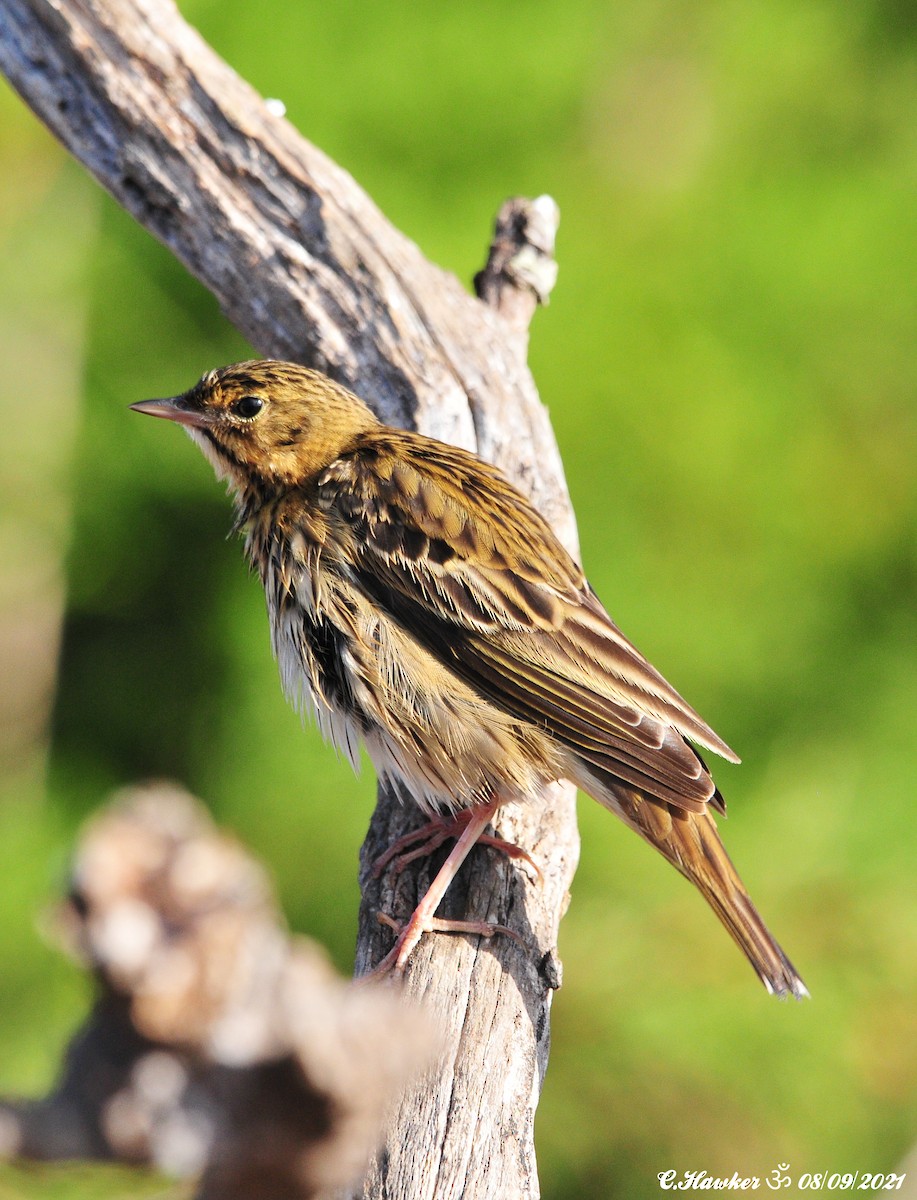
x: 420, y: 603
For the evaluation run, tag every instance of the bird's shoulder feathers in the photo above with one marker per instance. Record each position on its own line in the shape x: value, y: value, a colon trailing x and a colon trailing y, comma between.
x: 447, y: 546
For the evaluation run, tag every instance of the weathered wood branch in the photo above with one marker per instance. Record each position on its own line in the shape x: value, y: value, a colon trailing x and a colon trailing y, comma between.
x: 307, y: 268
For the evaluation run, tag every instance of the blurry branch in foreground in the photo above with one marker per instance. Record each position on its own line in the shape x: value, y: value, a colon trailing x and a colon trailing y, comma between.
x: 305, y: 265
x: 218, y: 1046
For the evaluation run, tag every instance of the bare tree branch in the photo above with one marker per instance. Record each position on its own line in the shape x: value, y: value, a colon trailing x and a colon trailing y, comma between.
x: 307, y: 268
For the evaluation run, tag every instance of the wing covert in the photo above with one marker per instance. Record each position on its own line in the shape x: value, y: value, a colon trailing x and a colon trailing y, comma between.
x: 454, y: 553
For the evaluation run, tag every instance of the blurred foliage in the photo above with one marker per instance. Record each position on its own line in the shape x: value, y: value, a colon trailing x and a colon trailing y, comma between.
x: 69, y: 1182
x: 729, y: 361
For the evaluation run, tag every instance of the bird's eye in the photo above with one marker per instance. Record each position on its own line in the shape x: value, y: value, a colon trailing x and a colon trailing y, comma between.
x: 248, y: 407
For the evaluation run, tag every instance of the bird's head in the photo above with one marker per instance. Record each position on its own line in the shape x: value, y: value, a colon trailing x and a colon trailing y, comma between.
x: 266, y: 425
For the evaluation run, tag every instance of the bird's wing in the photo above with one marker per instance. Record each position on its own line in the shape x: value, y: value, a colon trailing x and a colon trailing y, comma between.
x: 459, y: 557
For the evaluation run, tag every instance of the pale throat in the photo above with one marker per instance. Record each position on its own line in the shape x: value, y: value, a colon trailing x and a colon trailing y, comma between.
x: 224, y: 467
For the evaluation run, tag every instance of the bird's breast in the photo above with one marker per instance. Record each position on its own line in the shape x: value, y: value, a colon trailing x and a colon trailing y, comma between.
x: 364, y: 676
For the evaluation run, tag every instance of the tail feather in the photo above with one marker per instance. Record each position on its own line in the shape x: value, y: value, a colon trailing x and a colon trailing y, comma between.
x: 691, y: 843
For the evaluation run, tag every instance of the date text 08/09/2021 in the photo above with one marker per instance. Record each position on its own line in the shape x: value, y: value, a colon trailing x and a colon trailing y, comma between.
x: 863, y: 1181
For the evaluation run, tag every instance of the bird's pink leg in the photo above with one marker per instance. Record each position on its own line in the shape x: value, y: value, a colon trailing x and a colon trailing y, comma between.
x: 427, y: 838
x: 423, y: 919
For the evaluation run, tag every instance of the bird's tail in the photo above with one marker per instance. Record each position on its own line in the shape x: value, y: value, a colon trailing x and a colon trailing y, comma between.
x: 691, y: 843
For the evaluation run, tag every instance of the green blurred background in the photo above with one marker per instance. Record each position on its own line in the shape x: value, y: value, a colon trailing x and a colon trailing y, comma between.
x: 730, y: 361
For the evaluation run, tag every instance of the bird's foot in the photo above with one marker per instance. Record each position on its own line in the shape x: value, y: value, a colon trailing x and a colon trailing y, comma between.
x: 468, y: 828
x: 429, y: 837
x: 419, y: 924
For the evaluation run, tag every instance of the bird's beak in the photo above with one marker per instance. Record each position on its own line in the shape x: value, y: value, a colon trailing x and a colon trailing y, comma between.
x: 175, y: 408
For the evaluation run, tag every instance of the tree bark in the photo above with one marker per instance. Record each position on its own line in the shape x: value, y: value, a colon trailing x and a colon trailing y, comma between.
x: 308, y: 269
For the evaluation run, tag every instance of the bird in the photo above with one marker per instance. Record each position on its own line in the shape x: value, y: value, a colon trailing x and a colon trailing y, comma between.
x: 419, y: 604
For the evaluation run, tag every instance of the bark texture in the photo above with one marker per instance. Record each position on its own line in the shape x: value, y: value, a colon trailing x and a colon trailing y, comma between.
x: 307, y: 268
